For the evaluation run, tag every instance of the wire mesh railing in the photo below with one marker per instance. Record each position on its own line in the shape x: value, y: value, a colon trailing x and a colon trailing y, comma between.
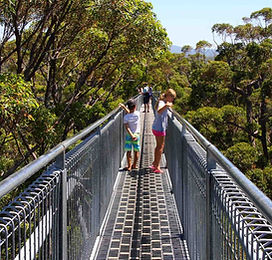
x: 224, y: 215
x: 29, y: 226
x: 59, y: 215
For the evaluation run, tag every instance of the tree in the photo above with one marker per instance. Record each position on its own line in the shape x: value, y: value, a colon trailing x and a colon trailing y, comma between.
x: 186, y: 49
x: 247, y: 60
x: 202, y: 45
x: 34, y: 25
x: 17, y: 106
x: 243, y: 155
x: 225, y: 30
x: 77, y: 57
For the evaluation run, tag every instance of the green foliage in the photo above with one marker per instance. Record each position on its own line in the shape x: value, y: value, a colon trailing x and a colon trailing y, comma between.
x: 206, y: 119
x: 265, y: 14
x: 202, y: 45
x: 262, y: 179
x: 211, y: 86
x: 248, y: 57
x: 82, y: 58
x: 243, y: 155
x: 268, y: 177
x: 222, y: 126
x: 218, y: 72
x: 42, y: 128
x: 186, y: 49
x: 258, y: 177
x: 17, y: 108
x: 16, y: 100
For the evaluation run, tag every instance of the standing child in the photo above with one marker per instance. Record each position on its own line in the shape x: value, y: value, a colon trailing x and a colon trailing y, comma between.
x: 132, y: 125
x: 160, y: 125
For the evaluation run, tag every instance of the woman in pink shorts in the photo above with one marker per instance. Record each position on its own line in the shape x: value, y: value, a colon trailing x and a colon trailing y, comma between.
x: 160, y: 125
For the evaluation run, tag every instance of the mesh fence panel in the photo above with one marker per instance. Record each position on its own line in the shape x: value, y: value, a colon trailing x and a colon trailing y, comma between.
x: 92, y: 171
x: 31, y: 225
x: 216, y: 214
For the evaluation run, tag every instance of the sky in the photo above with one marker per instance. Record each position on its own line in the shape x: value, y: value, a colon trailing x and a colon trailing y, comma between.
x: 189, y: 21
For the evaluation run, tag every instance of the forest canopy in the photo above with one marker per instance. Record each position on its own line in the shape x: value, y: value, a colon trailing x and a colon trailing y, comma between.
x: 66, y: 63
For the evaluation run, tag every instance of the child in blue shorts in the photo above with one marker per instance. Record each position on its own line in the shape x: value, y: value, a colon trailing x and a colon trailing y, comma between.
x: 132, y: 125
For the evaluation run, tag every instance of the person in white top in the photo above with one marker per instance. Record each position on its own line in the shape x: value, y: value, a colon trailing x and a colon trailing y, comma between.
x: 132, y: 125
x: 146, y: 97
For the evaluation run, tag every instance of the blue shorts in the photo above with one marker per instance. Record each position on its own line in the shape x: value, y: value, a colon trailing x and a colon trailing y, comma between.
x: 129, y: 144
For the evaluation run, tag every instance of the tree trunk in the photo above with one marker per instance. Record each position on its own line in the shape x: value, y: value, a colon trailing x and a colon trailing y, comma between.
x: 249, y: 117
x: 263, y: 122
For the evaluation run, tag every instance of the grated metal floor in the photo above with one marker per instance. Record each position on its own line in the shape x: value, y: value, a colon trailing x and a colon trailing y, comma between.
x: 143, y: 222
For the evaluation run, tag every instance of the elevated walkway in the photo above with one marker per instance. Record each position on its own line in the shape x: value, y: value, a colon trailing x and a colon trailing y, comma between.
x: 81, y: 206
x: 143, y: 221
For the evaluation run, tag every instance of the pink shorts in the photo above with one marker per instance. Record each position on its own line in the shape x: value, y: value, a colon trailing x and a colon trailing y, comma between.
x: 158, y: 133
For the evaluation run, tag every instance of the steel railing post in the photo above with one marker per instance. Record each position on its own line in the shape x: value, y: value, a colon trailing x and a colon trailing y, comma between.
x: 60, y: 163
x: 211, y: 164
x: 121, y: 137
x: 187, y: 201
x: 98, y: 205
x: 184, y: 173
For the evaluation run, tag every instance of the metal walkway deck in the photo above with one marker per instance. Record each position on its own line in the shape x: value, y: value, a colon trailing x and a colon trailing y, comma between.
x: 143, y: 222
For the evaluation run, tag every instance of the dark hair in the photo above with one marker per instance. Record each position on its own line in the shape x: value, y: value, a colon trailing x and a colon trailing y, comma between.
x: 131, y: 104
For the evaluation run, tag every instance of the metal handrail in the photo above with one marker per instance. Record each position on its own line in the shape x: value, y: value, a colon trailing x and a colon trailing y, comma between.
x: 262, y: 202
x: 20, y: 176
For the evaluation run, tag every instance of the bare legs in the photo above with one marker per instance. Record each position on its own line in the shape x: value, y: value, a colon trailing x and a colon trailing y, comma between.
x: 129, y: 160
x: 146, y: 107
x: 136, y: 157
x: 160, y: 140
